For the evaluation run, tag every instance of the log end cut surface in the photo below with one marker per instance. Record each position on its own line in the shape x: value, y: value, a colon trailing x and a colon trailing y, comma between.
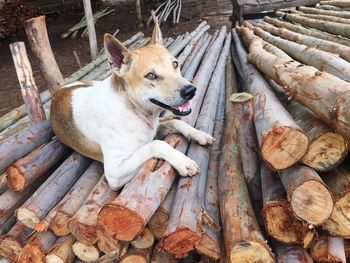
x: 85, y: 253
x: 119, y: 222
x: 284, y: 146
x: 15, y: 179
x: 27, y: 217
x: 326, y: 152
x: 181, y: 242
x: 134, y: 259
x: 158, y: 224
x: 59, y: 224
x: 83, y: 233
x: 312, y: 202
x: 251, y: 252
x: 10, y: 248
x: 208, y: 247
x: 53, y: 259
x: 31, y: 254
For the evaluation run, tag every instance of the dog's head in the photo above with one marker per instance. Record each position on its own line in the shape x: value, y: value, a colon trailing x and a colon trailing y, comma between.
x: 151, y: 74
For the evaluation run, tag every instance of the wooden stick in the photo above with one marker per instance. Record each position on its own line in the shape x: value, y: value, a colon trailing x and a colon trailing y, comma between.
x: 29, y: 90
x: 26, y: 170
x: 52, y: 191
x: 139, y: 13
x: 289, y: 253
x: 61, y: 251
x: 324, y: 17
x: 40, y: 45
x: 279, y: 221
x: 199, y: 45
x: 311, y: 10
x: 91, y: 29
x: 83, y: 224
x: 341, y: 3
x: 57, y: 219
x: 271, y: 128
x: 85, y: 252
x: 328, y: 249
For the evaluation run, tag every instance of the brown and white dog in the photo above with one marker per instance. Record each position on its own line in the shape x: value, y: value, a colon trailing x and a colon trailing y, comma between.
x: 115, y: 120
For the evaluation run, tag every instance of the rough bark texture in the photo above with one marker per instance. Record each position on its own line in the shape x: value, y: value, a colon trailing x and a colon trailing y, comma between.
x: 26, y: 170
x: 279, y: 220
x: 281, y: 140
x: 324, y: 94
x: 29, y: 90
x: 328, y: 249
x: 289, y: 253
x: 58, y: 217
x: 83, y: 225
x: 40, y: 45
x: 61, y: 251
x: 52, y: 191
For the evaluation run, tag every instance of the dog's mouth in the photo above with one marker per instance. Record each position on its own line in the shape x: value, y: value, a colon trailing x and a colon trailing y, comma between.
x: 180, y: 110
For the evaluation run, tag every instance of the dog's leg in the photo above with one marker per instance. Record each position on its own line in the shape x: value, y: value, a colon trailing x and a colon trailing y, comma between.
x: 179, y: 126
x: 118, y: 172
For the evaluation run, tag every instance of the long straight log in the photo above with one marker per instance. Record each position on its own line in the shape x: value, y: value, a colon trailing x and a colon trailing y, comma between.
x: 19, y: 145
x: 136, y: 203
x: 324, y: 94
x: 26, y: 80
x: 325, y: 18
x: 184, y: 230
x: 7, y: 225
x: 52, y: 191
x: 339, y: 183
x: 91, y: 28
x: 309, y: 197
x: 290, y: 253
x: 341, y: 3
x: 328, y: 249
x: 322, y: 60
x: 83, y: 224
x: 23, y: 172
x: 243, y: 239
x: 311, y: 10
x: 282, y: 142
x: 35, y: 249
x: 307, y: 31
x: 279, y: 221
x: 84, y: 252
x: 61, y: 251
x: 330, y: 7
x: 3, y: 183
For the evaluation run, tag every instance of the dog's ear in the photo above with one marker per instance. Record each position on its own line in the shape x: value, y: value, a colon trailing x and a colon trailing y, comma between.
x: 116, y: 52
x: 157, y: 34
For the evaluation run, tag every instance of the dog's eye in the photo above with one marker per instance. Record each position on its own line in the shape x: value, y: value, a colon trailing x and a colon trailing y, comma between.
x: 151, y: 76
x: 175, y: 64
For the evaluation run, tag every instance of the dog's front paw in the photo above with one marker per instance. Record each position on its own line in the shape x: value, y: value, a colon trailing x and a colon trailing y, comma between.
x: 202, y: 138
x: 186, y: 166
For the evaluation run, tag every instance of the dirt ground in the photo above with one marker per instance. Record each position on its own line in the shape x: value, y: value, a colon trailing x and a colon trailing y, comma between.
x: 123, y: 17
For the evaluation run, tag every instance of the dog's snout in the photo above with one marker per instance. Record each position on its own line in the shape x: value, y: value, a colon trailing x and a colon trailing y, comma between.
x: 188, y: 92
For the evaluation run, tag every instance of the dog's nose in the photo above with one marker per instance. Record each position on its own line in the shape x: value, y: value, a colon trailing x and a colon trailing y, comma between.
x: 188, y: 92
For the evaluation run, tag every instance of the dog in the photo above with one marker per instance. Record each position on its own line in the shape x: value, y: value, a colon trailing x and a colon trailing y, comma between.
x: 116, y: 120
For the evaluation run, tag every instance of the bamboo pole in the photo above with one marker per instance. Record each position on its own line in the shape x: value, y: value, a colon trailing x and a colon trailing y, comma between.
x: 91, y: 28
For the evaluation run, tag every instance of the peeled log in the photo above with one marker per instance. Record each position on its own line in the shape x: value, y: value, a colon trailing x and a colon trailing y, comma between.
x: 281, y: 140
x: 83, y: 225
x: 324, y: 94
x: 290, y: 253
x: 326, y: 18
x: 338, y: 181
x: 61, y: 251
x: 84, y: 252
x: 57, y: 219
x: 311, y: 10
x: 279, y: 220
x: 328, y: 249
x: 341, y: 3
x: 52, y: 191
x: 21, y: 144
x: 24, y: 171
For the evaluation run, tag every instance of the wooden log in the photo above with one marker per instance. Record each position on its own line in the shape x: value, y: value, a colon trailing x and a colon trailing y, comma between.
x: 23, y: 172
x: 339, y: 181
x: 61, y: 251
x: 324, y: 17
x: 184, y: 230
x: 310, y: 10
x: 57, y: 219
x: 307, y: 31
x: 324, y: 94
x: 83, y: 224
x: 40, y: 45
x: 110, y: 246
x: 202, y: 41
x: 7, y: 225
x: 282, y: 142
x: 309, y: 197
x: 123, y: 219
x: 52, y: 191
x: 85, y: 252
x: 91, y: 28
x: 35, y: 249
x: 322, y: 60
x: 139, y: 13
x: 29, y: 90
x: 137, y: 256
x: 144, y: 240
x: 328, y: 249
x: 3, y: 183
x: 242, y: 237
x: 338, y: 3
x: 21, y: 144
x: 159, y: 256
x: 330, y: 7
x: 290, y: 253
x: 279, y: 221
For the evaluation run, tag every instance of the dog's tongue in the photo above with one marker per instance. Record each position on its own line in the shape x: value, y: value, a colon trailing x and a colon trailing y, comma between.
x: 183, y: 107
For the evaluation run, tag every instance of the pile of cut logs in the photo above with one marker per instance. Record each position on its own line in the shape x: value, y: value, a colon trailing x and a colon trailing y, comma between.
x: 273, y: 187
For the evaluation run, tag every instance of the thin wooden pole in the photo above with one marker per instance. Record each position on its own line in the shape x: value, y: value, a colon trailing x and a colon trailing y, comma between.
x: 91, y: 28
x: 139, y: 13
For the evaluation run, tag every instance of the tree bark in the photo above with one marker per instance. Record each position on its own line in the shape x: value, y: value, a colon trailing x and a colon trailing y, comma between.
x: 339, y: 183
x: 290, y: 253
x: 279, y: 220
x: 282, y: 142
x: 328, y: 249
x: 58, y: 218
x: 83, y: 224
x: 34, y: 165
x: 91, y: 28
x: 137, y: 256
x: 85, y: 252
x: 29, y: 90
x: 61, y: 251
x: 324, y: 94
x: 52, y: 191
x: 39, y: 42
